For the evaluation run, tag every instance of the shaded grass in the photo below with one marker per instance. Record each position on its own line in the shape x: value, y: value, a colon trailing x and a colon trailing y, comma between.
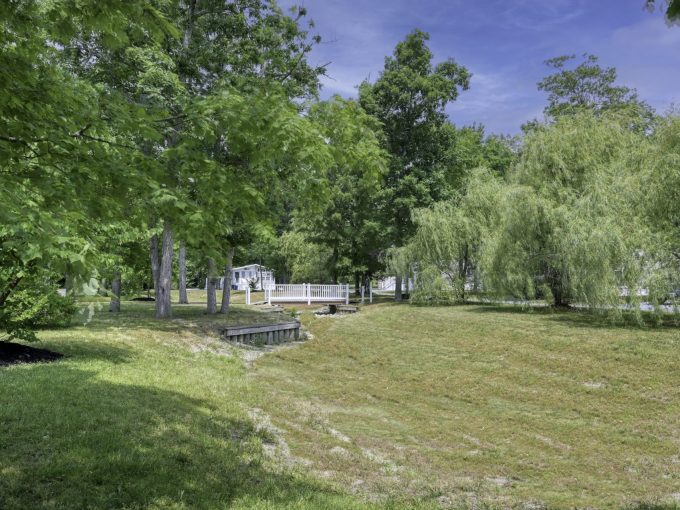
x: 143, y: 414
x: 479, y: 405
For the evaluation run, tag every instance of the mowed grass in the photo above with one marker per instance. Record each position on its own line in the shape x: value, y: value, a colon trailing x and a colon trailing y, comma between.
x: 143, y: 414
x: 483, y: 406
x: 394, y: 407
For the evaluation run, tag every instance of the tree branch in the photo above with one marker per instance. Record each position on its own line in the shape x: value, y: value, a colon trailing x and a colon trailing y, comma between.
x: 13, y: 285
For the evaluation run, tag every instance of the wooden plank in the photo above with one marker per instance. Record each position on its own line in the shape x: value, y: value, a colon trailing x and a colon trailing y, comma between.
x: 243, y: 330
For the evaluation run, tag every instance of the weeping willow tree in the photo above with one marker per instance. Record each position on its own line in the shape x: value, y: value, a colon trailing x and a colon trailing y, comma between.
x: 400, y: 262
x: 659, y: 198
x: 447, y: 245
x: 570, y: 230
x: 587, y: 216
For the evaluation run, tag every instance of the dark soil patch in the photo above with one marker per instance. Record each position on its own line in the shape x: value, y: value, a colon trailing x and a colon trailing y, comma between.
x: 143, y: 299
x: 11, y: 353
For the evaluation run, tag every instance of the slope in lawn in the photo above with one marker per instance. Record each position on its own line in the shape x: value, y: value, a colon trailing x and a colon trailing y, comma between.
x: 479, y: 404
x: 139, y: 414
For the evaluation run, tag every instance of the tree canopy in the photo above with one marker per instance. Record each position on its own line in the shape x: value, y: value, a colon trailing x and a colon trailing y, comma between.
x: 128, y: 129
x: 409, y: 98
x: 587, y: 86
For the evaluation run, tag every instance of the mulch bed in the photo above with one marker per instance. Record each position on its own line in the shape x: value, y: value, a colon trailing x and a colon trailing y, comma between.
x: 11, y: 353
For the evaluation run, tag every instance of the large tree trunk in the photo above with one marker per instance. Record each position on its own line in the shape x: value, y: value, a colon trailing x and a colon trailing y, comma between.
x: 210, y: 287
x: 397, y: 288
x: 226, y: 288
x: 155, y: 261
x: 561, y: 300
x: 114, y: 306
x: 183, y: 299
x: 163, y: 298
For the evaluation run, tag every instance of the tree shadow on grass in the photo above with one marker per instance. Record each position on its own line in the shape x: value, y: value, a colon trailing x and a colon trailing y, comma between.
x: 654, y: 506
x: 585, y: 319
x: 136, y: 316
x: 70, y: 440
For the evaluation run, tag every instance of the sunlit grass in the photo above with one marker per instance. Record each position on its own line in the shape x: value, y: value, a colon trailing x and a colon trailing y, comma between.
x: 471, y: 405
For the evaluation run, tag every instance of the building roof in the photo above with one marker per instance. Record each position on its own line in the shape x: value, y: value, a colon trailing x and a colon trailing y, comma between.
x: 250, y: 267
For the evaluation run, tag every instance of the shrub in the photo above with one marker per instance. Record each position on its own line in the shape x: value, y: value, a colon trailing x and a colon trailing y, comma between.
x: 33, y: 306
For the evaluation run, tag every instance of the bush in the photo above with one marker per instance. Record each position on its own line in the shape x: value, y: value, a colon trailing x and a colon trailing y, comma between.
x: 34, y: 306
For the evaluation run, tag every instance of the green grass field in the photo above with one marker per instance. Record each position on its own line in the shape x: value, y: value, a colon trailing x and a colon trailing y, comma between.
x: 396, y: 407
x: 483, y: 405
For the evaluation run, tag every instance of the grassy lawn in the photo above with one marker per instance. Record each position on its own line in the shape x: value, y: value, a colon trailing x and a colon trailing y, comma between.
x: 394, y: 407
x: 481, y: 405
x: 142, y: 414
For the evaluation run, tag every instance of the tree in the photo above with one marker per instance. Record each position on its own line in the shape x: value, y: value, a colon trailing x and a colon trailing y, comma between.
x: 264, y: 52
x: 342, y: 221
x: 447, y: 245
x: 588, y: 86
x: 568, y: 229
x: 409, y: 98
x: 242, y: 54
x: 182, y: 271
x: 470, y: 149
x: 659, y: 193
x: 64, y: 140
x: 306, y: 262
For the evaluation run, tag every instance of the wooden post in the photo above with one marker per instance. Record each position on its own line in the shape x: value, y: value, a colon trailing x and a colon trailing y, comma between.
x: 347, y: 293
x: 269, y: 298
x: 309, y: 294
x: 370, y: 292
x: 247, y: 295
x: 362, y: 294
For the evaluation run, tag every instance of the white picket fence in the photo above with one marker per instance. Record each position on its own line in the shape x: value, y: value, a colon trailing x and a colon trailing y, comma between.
x: 306, y: 292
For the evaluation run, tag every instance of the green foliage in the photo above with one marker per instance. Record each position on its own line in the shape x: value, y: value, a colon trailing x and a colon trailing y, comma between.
x: 659, y: 184
x: 567, y: 231
x: 589, y: 87
x: 123, y: 112
x: 470, y: 149
x: 409, y: 98
x: 447, y: 245
x: 34, y: 304
x: 433, y: 288
x: 342, y: 220
x: 586, y: 216
x: 306, y: 262
x: 255, y: 40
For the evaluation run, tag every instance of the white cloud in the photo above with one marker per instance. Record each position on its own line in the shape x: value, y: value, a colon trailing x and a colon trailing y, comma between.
x: 542, y: 15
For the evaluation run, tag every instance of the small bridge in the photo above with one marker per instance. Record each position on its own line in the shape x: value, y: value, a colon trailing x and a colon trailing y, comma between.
x: 307, y: 293
x: 266, y: 333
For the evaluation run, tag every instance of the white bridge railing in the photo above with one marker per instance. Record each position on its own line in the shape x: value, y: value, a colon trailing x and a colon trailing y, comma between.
x: 306, y: 292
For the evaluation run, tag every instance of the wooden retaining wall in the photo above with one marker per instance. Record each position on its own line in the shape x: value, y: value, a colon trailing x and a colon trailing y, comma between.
x: 264, y: 334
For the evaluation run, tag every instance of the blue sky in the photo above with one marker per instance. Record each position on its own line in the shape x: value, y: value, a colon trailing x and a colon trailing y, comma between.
x: 503, y: 43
